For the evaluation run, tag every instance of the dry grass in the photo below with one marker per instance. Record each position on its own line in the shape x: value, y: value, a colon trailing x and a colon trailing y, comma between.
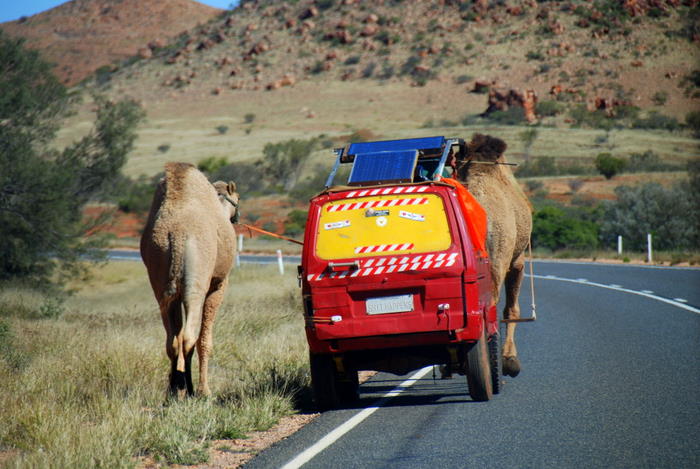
x: 88, y: 388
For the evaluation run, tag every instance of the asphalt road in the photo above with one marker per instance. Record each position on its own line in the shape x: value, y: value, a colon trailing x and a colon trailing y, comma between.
x: 610, y: 379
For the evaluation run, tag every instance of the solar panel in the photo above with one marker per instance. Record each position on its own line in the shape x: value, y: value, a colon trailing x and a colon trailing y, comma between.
x: 427, y: 143
x: 383, y: 167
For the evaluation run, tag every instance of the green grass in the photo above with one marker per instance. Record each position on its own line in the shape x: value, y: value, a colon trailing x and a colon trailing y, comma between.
x: 87, y: 388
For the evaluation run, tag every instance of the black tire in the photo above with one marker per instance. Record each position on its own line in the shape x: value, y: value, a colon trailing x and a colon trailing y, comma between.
x: 478, y: 370
x: 323, y: 382
x: 495, y: 359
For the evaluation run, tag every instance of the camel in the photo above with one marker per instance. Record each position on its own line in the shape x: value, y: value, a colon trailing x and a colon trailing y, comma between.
x: 188, y: 247
x: 509, y: 215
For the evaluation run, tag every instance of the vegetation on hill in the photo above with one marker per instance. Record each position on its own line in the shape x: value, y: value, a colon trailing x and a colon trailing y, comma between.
x: 608, y: 55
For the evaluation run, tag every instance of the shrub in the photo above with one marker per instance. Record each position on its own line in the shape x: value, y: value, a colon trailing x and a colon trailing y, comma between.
x: 660, y: 97
x: 283, y: 161
x: 135, y: 196
x: 317, y: 67
x: 368, y: 71
x: 513, y: 116
x: 222, y: 129
x: 554, y: 228
x: 548, y: 108
x: 649, y: 161
x: 528, y: 138
x: 534, y: 184
x: 307, y: 188
x: 576, y: 184
x: 608, y: 165
x: 670, y: 215
x: 542, y: 166
x: 692, y: 120
x: 164, y: 148
x: 211, y: 164
x: 296, y: 222
x: 387, y: 72
x: 656, y: 120
x: 582, y: 117
x: 325, y: 4
x: 247, y: 176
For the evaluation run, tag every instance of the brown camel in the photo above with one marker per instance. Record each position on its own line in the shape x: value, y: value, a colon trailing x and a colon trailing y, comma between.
x: 188, y: 246
x: 509, y: 216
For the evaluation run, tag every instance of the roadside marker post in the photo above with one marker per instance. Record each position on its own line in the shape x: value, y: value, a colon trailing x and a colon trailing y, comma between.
x: 280, y: 264
x: 619, y: 245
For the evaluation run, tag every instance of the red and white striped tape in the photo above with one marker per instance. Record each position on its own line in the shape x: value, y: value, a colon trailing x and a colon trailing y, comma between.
x: 388, y: 265
x: 387, y: 191
x: 377, y: 203
x: 383, y: 248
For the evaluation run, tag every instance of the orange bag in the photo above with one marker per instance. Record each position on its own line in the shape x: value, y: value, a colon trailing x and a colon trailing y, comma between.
x: 474, y: 215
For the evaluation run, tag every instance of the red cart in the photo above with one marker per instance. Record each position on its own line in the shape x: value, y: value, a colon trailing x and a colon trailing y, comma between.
x: 393, y: 275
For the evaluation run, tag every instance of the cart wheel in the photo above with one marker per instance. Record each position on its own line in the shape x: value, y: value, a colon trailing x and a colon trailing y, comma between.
x: 495, y: 359
x: 478, y: 370
x: 323, y: 382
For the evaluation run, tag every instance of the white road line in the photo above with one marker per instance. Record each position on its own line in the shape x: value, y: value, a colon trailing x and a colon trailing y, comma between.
x: 680, y: 300
x: 644, y: 293
x: 330, y: 438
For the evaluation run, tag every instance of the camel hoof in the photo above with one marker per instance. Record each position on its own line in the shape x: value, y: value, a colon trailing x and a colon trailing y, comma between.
x: 511, y: 366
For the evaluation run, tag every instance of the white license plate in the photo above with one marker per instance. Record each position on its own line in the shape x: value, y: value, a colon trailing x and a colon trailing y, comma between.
x: 389, y: 304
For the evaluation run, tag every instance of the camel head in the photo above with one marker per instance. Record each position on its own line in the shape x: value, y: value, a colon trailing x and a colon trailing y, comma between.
x: 482, y: 148
x: 486, y: 148
x: 229, y: 199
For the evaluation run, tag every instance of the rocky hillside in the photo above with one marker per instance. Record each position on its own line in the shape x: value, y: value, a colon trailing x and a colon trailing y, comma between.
x: 605, y: 53
x: 80, y: 36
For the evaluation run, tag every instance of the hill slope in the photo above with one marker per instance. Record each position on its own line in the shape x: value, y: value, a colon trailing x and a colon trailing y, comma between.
x: 80, y: 36
x: 641, y: 52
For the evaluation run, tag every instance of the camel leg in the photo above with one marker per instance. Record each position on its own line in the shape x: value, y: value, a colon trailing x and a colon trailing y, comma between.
x: 190, y: 333
x: 188, y: 373
x: 205, y: 342
x: 171, y: 314
x: 514, y: 277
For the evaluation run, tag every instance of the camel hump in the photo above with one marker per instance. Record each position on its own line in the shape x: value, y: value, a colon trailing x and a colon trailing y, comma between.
x: 184, y: 182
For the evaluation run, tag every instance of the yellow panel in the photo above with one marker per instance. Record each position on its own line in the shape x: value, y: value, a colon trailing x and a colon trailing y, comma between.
x: 415, y: 223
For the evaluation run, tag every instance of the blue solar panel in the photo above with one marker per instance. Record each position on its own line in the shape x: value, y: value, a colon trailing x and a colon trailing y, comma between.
x: 383, y: 167
x: 427, y: 143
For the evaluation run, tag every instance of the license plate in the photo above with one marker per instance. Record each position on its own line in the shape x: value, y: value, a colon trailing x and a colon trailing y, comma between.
x: 389, y: 304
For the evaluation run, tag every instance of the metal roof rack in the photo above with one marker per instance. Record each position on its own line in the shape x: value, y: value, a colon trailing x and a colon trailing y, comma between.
x: 395, y: 161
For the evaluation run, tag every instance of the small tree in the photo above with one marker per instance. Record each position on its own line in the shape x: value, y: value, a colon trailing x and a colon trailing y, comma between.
x: 608, y: 165
x: 283, y: 161
x: 42, y: 190
x: 528, y: 137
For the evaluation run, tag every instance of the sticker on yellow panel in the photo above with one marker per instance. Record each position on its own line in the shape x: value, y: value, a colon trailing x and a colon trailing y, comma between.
x: 371, y: 226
